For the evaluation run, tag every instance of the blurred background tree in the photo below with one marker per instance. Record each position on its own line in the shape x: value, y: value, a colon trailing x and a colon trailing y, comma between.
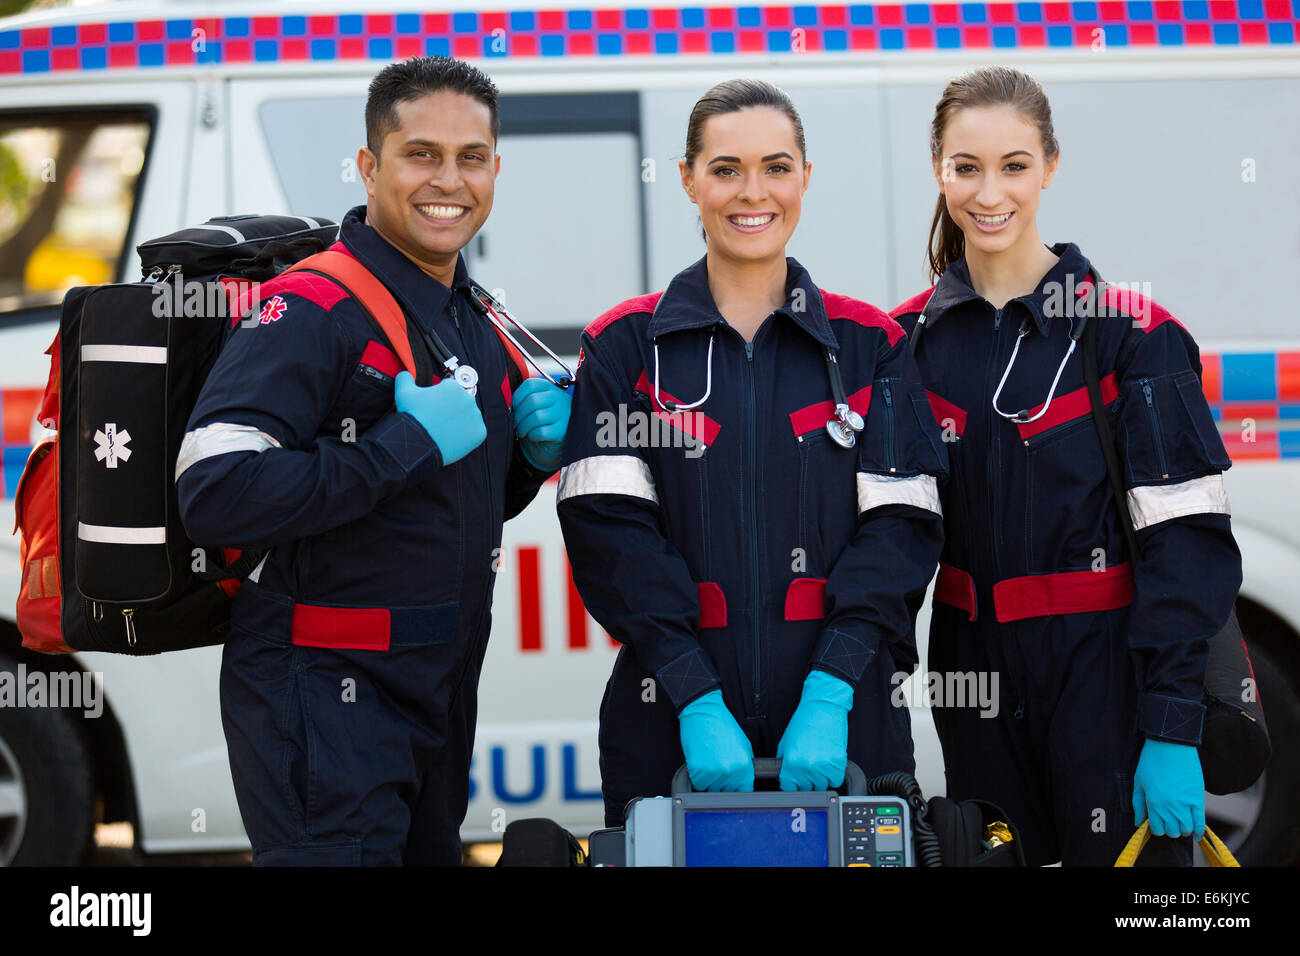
x: 9, y: 7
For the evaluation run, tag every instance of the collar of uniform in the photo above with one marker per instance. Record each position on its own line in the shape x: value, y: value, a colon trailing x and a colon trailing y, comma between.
x: 687, y: 303
x: 955, y: 287
x: 420, y: 294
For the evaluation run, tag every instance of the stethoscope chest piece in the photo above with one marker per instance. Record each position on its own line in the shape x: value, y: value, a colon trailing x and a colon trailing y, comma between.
x: 844, y: 427
x: 467, y: 378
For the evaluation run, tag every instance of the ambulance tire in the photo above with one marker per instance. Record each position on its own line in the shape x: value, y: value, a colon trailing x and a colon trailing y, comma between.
x: 1274, y: 840
x: 47, y: 794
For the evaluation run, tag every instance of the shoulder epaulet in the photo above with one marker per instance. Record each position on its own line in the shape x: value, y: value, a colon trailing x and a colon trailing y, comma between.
x: 642, y: 303
x: 1146, y: 313
x: 915, y: 304
x: 863, y: 313
x: 316, y: 289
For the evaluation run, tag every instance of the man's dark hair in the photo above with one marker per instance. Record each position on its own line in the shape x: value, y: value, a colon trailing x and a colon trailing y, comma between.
x: 416, y: 77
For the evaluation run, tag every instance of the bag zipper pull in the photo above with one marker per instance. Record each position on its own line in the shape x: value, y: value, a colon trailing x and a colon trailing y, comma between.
x: 130, y: 625
x: 96, y: 611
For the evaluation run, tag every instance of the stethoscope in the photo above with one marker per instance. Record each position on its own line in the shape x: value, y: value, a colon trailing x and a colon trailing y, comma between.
x: 843, y: 427
x: 466, y: 375
x: 1077, y: 329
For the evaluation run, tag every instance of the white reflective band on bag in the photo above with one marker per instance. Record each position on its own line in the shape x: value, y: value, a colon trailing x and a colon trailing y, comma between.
x: 220, y: 438
x: 919, y: 491
x: 144, y: 354
x: 107, y: 534
x: 1152, y: 504
x: 607, y: 475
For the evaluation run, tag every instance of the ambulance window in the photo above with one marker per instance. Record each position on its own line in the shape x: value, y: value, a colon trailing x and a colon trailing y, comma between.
x: 68, y: 187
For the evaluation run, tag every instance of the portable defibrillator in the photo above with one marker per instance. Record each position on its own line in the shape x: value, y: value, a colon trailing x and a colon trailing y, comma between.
x: 763, y: 828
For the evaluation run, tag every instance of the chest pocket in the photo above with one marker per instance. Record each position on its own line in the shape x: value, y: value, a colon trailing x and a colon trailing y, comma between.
x: 827, y: 480
x: 368, y: 394
x: 1066, y: 502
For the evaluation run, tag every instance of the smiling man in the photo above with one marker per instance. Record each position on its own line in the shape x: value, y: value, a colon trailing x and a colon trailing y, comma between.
x: 349, y: 681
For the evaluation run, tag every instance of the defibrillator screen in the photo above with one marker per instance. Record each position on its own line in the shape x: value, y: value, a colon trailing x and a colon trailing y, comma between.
x: 787, y: 836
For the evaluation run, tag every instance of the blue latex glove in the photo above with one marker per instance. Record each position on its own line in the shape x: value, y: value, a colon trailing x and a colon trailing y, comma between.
x: 1169, y: 787
x: 448, y: 413
x: 718, y: 754
x: 541, y: 413
x: 814, y: 749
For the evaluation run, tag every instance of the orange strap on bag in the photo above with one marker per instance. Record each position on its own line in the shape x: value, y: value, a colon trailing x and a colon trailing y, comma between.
x: 36, y: 521
x: 360, y: 283
x: 36, y: 517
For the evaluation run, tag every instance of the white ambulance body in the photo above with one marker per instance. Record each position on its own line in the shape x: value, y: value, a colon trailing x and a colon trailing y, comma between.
x: 125, y: 121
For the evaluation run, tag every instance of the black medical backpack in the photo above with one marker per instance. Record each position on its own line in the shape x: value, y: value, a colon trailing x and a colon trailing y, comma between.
x: 133, y: 359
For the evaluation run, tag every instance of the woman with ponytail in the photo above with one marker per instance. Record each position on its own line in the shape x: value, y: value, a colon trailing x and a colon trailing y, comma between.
x: 1098, y: 655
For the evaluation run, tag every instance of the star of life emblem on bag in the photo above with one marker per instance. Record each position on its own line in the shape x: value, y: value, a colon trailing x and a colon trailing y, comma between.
x: 111, y: 445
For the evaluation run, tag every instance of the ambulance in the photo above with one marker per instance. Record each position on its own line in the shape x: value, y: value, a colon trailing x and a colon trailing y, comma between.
x: 122, y: 121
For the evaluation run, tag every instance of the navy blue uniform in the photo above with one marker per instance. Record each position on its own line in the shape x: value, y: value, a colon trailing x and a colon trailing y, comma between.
x: 763, y: 549
x: 348, y: 684
x: 1094, y: 652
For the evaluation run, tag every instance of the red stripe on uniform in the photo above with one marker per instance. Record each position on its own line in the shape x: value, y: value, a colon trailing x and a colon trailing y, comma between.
x: 505, y: 390
x: 1068, y: 407
x: 642, y: 303
x: 815, y: 416
x: 863, y: 313
x: 381, y: 358
x: 946, y: 413
x: 694, y: 422
x: 713, y: 605
x: 1069, y: 592
x: 955, y: 588
x: 805, y: 599
x: 915, y: 304
x: 341, y: 628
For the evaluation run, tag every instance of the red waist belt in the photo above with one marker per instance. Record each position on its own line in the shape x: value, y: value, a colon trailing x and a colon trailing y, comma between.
x: 1040, y: 595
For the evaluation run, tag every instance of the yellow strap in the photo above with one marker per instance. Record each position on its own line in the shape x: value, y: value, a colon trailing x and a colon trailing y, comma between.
x: 1215, y: 852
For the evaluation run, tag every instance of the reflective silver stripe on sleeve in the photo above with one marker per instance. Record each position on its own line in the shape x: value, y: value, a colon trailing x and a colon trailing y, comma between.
x: 220, y: 438
x: 607, y: 475
x: 107, y: 534
x: 1152, y: 504
x: 144, y: 354
x: 919, y: 491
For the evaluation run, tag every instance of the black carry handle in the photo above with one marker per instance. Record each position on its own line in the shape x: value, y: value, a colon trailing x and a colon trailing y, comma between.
x: 769, y: 768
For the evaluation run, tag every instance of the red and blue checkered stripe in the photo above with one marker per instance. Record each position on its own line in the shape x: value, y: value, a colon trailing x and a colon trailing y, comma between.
x: 1255, y: 387
x: 650, y: 32
x: 18, y: 407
